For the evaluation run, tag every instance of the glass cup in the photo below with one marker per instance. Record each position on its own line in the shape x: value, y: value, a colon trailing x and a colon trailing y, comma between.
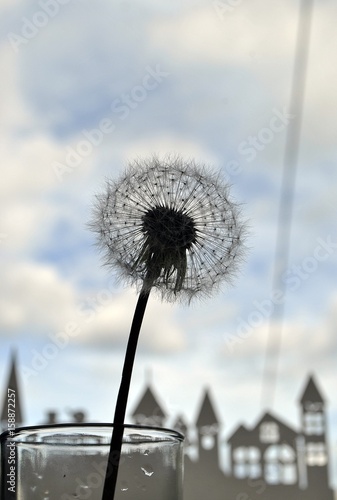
x: 68, y: 462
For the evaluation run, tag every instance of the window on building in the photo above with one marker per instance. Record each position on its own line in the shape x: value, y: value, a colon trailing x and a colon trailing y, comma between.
x: 207, y: 442
x: 280, y: 464
x: 309, y: 406
x: 314, y: 423
x: 269, y: 432
x: 247, y: 462
x: 316, y: 454
x: 208, y: 436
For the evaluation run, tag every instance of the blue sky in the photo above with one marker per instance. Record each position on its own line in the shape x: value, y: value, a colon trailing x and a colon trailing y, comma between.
x: 88, y: 87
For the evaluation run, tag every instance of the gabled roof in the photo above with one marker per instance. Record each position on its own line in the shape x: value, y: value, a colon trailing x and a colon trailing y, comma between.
x: 13, y: 385
x: 286, y: 432
x: 244, y: 436
x: 148, y: 405
x: 206, y: 414
x: 311, y: 393
x: 180, y: 422
x: 180, y: 425
x: 240, y: 436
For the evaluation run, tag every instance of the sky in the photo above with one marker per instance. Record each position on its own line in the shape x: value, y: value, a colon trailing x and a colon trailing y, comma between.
x: 87, y: 87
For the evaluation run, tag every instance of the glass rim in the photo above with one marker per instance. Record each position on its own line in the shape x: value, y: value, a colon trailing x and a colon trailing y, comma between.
x: 12, y: 434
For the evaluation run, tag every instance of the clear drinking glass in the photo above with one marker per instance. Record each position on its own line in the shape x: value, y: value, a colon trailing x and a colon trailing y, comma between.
x: 68, y: 462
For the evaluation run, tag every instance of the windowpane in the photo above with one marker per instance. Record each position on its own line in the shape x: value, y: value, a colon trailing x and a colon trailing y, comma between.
x: 272, y: 453
x: 239, y: 454
x: 314, y: 423
x: 269, y: 432
x: 280, y: 464
x: 254, y: 454
x: 240, y: 470
x: 207, y: 442
x: 316, y: 454
x: 289, y: 474
x: 255, y: 470
x: 287, y: 454
x: 272, y: 473
x: 247, y: 462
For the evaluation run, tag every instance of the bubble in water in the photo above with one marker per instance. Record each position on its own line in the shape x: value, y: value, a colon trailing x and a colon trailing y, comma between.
x: 33, y: 488
x: 147, y: 469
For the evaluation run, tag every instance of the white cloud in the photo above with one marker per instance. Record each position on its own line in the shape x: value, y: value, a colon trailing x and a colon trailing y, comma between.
x: 4, y: 4
x: 170, y: 144
x: 14, y: 113
x: 37, y: 299
x: 29, y: 212
x: 256, y: 43
x: 34, y: 298
x: 111, y: 321
x: 202, y: 35
x: 297, y: 344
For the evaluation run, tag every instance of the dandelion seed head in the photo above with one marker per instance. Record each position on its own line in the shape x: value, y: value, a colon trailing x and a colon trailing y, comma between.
x: 170, y: 225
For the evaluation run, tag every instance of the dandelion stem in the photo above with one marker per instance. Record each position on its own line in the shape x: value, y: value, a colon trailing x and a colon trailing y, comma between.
x: 122, y: 398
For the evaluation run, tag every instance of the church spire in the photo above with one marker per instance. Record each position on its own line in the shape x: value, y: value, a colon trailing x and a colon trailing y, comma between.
x: 314, y: 435
x: 207, y: 416
x: 207, y: 424
x: 311, y: 394
x: 12, y: 394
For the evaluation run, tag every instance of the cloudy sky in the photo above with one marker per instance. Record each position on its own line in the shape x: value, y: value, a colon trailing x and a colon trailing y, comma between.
x: 87, y: 87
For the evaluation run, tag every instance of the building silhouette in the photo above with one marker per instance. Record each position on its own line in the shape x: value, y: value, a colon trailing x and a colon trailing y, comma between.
x: 11, y: 395
x: 267, y: 461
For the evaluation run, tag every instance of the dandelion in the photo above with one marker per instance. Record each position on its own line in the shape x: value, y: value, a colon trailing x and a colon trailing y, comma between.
x: 170, y: 226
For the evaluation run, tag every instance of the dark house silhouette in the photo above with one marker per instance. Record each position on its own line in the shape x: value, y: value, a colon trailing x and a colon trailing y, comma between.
x: 149, y: 411
x: 267, y: 461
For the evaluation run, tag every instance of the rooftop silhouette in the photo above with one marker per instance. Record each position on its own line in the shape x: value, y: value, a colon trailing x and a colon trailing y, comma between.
x: 269, y: 460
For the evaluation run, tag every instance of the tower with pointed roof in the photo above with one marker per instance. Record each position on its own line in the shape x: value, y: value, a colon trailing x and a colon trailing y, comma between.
x: 149, y: 411
x: 207, y: 425
x: 314, y: 432
x: 181, y: 426
x: 12, y: 396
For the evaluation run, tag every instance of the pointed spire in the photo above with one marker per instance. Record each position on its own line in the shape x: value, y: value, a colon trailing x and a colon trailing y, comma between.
x: 311, y: 393
x: 180, y: 425
x: 148, y: 408
x: 13, y: 385
x: 207, y: 415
